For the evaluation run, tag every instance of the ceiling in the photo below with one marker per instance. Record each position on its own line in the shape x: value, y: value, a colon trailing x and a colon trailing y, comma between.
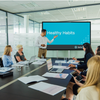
x: 57, y: 12
x: 54, y: 11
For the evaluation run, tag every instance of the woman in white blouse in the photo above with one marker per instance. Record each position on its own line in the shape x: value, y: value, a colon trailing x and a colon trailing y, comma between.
x: 91, y: 89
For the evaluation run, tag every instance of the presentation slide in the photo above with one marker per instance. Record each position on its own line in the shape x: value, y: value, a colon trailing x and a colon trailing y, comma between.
x: 71, y: 35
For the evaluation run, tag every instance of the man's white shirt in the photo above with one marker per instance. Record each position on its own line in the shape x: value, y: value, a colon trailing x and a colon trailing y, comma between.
x: 42, y: 40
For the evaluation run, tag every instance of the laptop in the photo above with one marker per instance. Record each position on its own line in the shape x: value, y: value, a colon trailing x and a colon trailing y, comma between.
x: 51, y: 69
x: 6, y: 71
x: 32, y: 59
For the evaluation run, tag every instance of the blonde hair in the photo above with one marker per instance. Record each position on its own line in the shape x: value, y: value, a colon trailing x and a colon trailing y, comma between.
x: 19, y: 46
x: 93, y: 74
x: 7, y: 50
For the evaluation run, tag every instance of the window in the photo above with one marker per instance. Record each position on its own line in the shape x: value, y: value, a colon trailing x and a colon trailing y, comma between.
x: 3, y: 38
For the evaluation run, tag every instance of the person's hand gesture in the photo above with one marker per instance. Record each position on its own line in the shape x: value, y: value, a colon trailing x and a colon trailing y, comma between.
x: 43, y: 45
x: 77, y: 61
x: 77, y: 82
x: 77, y: 71
x: 55, y: 36
x: 74, y: 58
x: 84, y: 78
x: 71, y: 65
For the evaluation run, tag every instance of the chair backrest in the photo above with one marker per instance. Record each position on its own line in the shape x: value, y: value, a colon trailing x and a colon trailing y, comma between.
x: 15, y: 58
x: 1, y: 62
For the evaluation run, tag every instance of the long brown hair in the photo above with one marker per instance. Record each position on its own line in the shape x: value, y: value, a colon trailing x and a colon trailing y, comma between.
x: 88, y: 48
x: 7, y: 50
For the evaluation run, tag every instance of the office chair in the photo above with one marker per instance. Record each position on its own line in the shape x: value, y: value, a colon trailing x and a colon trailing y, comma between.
x: 1, y: 62
x: 15, y: 58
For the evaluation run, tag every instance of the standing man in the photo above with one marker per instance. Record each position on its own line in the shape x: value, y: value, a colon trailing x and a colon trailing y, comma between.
x: 42, y: 43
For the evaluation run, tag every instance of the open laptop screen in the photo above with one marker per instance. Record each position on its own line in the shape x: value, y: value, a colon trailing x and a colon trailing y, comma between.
x: 49, y: 64
x: 32, y: 59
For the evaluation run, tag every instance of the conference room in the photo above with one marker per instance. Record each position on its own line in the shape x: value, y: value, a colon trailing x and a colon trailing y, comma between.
x: 49, y: 49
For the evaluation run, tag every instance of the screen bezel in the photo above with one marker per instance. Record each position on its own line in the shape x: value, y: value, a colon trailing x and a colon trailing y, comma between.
x: 56, y: 47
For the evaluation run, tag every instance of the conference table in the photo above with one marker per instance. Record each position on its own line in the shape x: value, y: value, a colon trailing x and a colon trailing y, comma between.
x: 12, y: 89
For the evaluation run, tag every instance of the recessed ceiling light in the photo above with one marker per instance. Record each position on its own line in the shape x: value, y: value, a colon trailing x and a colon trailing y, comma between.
x: 15, y: 10
x: 79, y: 9
x: 44, y: 13
x: 81, y: 17
x: 35, y: 5
x: 72, y: 0
x: 29, y: 5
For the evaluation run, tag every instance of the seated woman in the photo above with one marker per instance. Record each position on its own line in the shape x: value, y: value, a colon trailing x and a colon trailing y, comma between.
x: 97, y: 52
x: 91, y: 89
x: 20, y: 55
x: 7, y: 59
x: 88, y: 54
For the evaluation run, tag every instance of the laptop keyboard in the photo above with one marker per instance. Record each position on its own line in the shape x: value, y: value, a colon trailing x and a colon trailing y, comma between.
x: 54, y: 69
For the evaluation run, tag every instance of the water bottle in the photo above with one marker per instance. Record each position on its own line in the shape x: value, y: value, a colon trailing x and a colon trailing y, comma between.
x: 65, y: 59
x: 59, y: 64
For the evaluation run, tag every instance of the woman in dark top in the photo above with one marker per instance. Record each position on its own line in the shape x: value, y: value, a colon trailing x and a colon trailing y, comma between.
x: 20, y: 55
x: 73, y: 86
x: 88, y: 54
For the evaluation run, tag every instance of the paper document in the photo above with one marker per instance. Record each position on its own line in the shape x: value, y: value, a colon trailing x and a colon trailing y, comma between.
x: 62, y: 67
x: 37, y: 62
x: 55, y: 75
x: 5, y: 69
x: 23, y: 62
x: 17, y: 65
x: 42, y: 60
x: 29, y: 79
x: 47, y: 88
x: 60, y: 61
x: 72, y: 62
